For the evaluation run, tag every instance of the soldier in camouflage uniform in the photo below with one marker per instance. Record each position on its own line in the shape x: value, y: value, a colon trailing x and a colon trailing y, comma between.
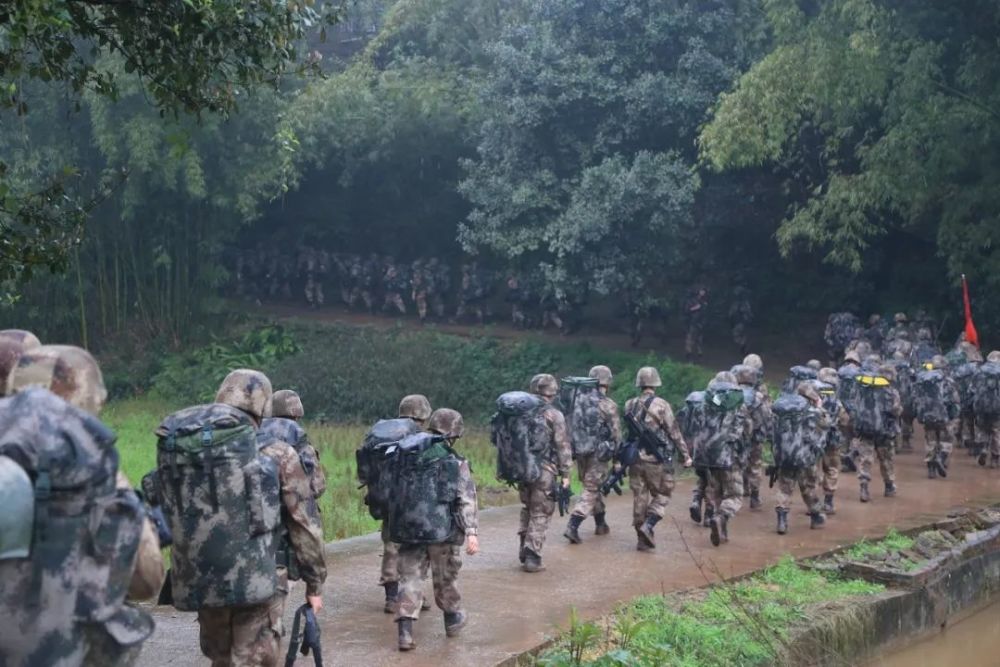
x: 518, y: 297
x: 805, y: 478
x: 445, y: 558
x: 591, y: 468
x: 440, y: 284
x: 13, y: 343
x: 740, y: 317
x: 537, y: 503
x: 875, y: 333
x: 761, y: 418
x: 313, y: 265
x: 286, y: 406
x: 472, y: 293
x: 652, y: 481
x: 64, y: 636
x: 417, y: 408
x: 695, y: 313
x: 940, y: 437
x: 420, y: 287
x: 360, y: 282
x: 251, y: 634
x: 900, y: 324
x: 393, y: 284
x: 988, y: 429
x: 839, y: 433
x: 725, y: 486
x: 868, y: 449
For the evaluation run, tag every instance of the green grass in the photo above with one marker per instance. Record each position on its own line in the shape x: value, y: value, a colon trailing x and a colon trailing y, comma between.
x: 344, y: 512
x: 893, y: 542
x: 744, y: 623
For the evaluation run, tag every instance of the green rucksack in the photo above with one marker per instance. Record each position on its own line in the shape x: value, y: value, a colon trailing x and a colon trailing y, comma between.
x: 869, y: 404
x: 521, y: 436
x: 370, y: 458
x: 721, y: 443
x: 588, y: 432
x: 424, y: 475
x: 986, y: 391
x: 69, y: 562
x: 221, y: 498
x: 798, y: 440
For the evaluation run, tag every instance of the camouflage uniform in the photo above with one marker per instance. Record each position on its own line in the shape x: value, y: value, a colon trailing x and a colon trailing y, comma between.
x: 311, y: 265
x: 695, y: 312
x: 761, y: 418
x: 420, y: 284
x: 472, y: 294
x: 440, y: 285
x: 393, y: 284
x: 517, y: 297
x: 591, y: 470
x: 882, y: 448
x: 806, y: 478
x: 360, y: 281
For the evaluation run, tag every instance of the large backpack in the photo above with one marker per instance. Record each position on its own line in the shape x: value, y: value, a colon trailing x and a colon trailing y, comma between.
x: 221, y: 498
x: 797, y: 374
x: 588, y: 432
x: 869, y: 404
x: 904, y: 383
x: 922, y: 354
x: 831, y: 403
x: 692, y: 419
x: 71, y: 561
x: 848, y: 386
x: 370, y: 457
x: 986, y: 391
x: 798, y: 440
x: 841, y: 330
x: 424, y: 474
x: 929, y: 399
x: 722, y: 415
x: 521, y: 436
x: 965, y: 377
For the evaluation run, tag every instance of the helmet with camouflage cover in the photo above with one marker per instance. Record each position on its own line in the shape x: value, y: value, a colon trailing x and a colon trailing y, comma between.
x: 602, y: 374
x: 416, y: 407
x: 808, y: 390
x: 724, y: 376
x: 974, y: 356
x: 648, y: 376
x: 744, y: 374
x: 69, y: 372
x: 899, y: 318
x: 446, y: 421
x: 828, y: 376
x: 753, y: 361
x: 814, y: 364
x: 938, y: 361
x: 888, y: 372
x: 13, y: 343
x: 544, y: 384
x: 286, y: 403
x: 852, y: 355
x: 993, y: 357
x: 247, y: 390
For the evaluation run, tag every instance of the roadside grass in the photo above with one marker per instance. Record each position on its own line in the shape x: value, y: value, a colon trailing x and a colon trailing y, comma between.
x: 893, y: 541
x: 742, y: 623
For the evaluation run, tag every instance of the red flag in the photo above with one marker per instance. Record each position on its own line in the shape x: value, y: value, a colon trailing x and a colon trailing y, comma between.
x: 970, y: 329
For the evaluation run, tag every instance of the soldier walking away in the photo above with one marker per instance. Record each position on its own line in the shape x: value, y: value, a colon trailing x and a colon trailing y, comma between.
x: 837, y: 435
x: 518, y: 297
x: 248, y: 493
x: 440, y: 277
x: 283, y: 425
x: 653, y: 427
x: 875, y: 333
x: 727, y: 427
x: 420, y: 283
x: 740, y: 317
x: 595, y: 434
x: 873, y: 406
x: 312, y: 269
x: 841, y: 329
x: 801, y: 426
x: 938, y: 408
x: 900, y: 324
x: 759, y: 407
x: 471, y: 294
x: 987, y: 407
x: 964, y: 376
x: 393, y: 284
x: 533, y: 454
x: 695, y: 313
x: 63, y: 598
x: 431, y: 521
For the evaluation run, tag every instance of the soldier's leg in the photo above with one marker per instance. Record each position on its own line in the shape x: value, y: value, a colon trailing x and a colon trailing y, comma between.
x: 689, y: 341
x: 783, y: 491
x: 524, y: 494
x: 932, y: 441
x: 320, y: 297
x: 390, y: 558
x: 446, y: 561
x: 993, y: 442
x: 540, y: 508
x: 215, y: 633
x: 640, y: 493
x: 866, y: 459
x: 808, y: 484
x: 421, y: 301
x: 886, y: 465
x: 412, y: 569
x: 731, y: 484
x: 257, y: 632
x: 755, y: 472
x: 906, y: 431
x: 591, y: 475
x: 831, y: 470
x: 660, y: 481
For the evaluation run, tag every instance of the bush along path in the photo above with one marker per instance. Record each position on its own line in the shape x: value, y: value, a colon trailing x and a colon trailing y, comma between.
x: 512, y: 612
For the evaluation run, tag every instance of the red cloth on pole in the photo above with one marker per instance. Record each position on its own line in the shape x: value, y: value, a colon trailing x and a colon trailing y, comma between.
x: 970, y: 329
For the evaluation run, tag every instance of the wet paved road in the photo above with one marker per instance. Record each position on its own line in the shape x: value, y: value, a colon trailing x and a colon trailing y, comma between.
x: 512, y: 611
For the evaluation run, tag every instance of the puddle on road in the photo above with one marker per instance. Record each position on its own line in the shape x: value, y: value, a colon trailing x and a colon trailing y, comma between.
x: 972, y: 642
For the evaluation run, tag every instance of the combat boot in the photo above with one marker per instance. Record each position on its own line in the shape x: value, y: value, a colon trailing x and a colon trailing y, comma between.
x: 709, y: 513
x: 724, y: 527
x: 755, y: 499
x: 931, y: 470
x: 521, y: 550
x: 890, y: 489
x: 782, y: 520
x: 532, y: 561
x: 941, y: 463
x: 601, y: 527
x: 816, y: 520
x: 645, y: 531
x: 982, y: 457
x: 695, y: 508
x: 406, y: 642
x: 573, y: 529
x: 454, y: 621
x: 719, y: 530
x: 828, y: 504
x: 391, y: 597
x: 865, y: 496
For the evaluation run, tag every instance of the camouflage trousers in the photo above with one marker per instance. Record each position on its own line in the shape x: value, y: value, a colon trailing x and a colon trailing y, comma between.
x: 700, y: 486
x: 754, y: 470
x: 592, y: 472
x: 807, y: 482
x: 652, y: 484
x: 104, y: 651
x: 906, y: 430
x: 394, y: 300
x: 537, y: 506
x: 363, y: 295
x: 988, y: 435
x: 725, y: 491
x: 390, y: 558
x: 420, y: 301
x: 475, y: 308
x: 967, y: 432
x: 939, y: 439
x: 868, y: 451
x: 829, y: 469
x: 246, y: 636
x: 314, y: 292
x: 692, y: 339
x: 445, y: 561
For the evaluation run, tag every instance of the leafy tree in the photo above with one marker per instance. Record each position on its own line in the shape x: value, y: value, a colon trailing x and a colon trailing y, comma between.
x: 585, y: 158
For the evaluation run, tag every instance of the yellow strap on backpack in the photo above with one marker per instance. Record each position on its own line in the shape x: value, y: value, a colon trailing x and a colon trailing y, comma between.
x: 873, y: 381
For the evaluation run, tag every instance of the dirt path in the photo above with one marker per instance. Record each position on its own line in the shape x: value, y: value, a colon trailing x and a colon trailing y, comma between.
x: 512, y: 611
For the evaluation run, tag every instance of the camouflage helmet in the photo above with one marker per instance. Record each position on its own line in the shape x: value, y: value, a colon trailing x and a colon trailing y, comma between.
x: 69, y: 372
x: 13, y: 343
x: 17, y: 496
x: 903, y: 334
x: 744, y: 374
x: 724, y: 376
x: 415, y: 406
x: 852, y: 355
x: 974, y: 356
x: 544, y: 384
x: 874, y: 319
x: 888, y: 372
x: 814, y: 364
x: 899, y: 318
x: 938, y: 361
x: 873, y: 360
x: 286, y: 403
x: 828, y: 376
x: 993, y: 357
x: 602, y: 374
x: 753, y: 361
x: 446, y: 421
x: 648, y: 376
x: 248, y: 390
x: 899, y: 355
x: 808, y: 390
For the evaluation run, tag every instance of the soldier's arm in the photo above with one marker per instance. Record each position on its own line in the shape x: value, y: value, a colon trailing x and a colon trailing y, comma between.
x: 897, y: 404
x: 317, y: 479
x: 611, y: 417
x: 560, y: 440
x: 302, y: 515
x: 148, y: 574
x: 468, y: 505
x: 669, y: 425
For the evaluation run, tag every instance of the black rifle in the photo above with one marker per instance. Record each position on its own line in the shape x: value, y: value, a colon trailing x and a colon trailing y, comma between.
x: 646, y: 440
x: 562, y: 495
x: 308, y: 637
x: 625, y: 456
